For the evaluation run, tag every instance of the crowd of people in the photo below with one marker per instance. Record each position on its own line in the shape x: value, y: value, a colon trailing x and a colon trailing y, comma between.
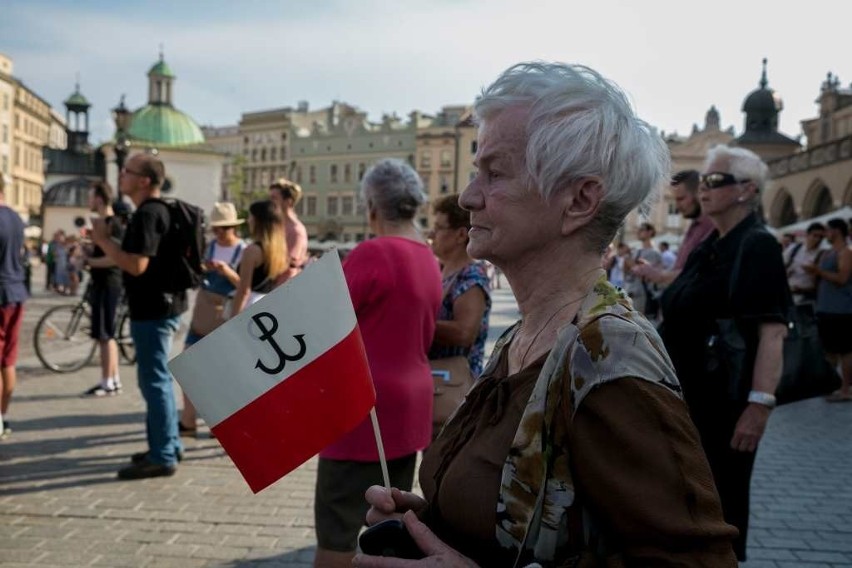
x: 606, y: 428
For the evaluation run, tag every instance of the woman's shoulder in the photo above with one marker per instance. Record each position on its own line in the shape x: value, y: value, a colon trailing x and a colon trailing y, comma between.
x: 615, y: 341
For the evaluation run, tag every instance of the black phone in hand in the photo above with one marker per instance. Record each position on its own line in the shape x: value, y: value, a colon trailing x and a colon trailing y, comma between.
x: 389, y: 538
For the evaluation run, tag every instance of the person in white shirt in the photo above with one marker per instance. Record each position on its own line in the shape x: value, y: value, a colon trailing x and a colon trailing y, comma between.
x: 798, y: 255
x: 668, y: 257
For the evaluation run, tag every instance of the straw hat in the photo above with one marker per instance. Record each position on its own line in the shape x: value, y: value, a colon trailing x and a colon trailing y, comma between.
x: 224, y: 214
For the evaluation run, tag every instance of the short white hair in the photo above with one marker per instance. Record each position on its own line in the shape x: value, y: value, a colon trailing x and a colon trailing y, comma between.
x: 393, y: 189
x: 580, y: 125
x: 743, y: 164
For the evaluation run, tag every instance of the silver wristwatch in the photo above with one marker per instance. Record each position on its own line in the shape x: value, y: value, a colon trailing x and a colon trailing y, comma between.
x: 762, y: 398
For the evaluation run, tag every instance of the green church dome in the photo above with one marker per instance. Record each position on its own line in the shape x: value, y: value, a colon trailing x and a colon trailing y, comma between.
x: 161, y: 68
x: 164, y: 125
x: 77, y: 100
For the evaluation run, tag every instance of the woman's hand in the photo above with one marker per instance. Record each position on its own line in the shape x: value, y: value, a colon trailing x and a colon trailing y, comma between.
x: 217, y: 265
x: 750, y: 427
x: 436, y: 551
x: 393, y: 505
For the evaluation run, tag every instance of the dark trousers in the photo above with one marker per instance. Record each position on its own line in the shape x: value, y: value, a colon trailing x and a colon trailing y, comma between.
x: 716, y: 418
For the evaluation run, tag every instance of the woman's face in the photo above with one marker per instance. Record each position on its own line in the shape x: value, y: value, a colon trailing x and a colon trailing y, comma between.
x: 223, y: 234
x: 445, y: 239
x: 720, y: 200
x: 508, y: 219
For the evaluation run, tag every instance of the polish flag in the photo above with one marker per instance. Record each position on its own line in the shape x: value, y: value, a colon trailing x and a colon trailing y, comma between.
x: 283, y: 379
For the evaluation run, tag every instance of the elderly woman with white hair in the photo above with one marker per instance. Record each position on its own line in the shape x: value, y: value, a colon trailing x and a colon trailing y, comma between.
x: 736, y: 276
x: 395, y: 284
x: 574, y: 448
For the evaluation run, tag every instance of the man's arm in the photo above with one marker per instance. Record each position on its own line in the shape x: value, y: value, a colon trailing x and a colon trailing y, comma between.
x: 844, y: 269
x: 133, y: 264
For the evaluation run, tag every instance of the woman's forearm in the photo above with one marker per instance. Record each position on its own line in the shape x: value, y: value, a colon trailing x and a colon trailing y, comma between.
x: 769, y: 363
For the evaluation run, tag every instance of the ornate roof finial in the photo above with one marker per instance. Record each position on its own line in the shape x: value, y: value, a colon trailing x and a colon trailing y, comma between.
x: 161, y: 51
x: 763, y: 81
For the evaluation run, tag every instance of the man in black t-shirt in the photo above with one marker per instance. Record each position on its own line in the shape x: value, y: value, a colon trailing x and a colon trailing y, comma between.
x: 105, y: 293
x: 154, y: 312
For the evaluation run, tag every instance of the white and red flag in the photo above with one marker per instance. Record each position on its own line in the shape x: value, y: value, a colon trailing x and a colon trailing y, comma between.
x: 284, y: 378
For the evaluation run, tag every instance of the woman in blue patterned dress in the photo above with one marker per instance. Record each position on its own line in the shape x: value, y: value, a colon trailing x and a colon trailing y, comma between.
x: 462, y: 325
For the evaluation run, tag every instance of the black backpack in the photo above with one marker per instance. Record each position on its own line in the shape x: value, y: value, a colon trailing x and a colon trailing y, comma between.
x: 184, y: 246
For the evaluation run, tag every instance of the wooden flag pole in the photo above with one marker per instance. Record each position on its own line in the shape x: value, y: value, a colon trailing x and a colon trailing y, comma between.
x: 382, y: 460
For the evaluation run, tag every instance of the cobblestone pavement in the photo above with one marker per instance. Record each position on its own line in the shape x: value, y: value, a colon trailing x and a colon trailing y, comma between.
x: 60, y: 504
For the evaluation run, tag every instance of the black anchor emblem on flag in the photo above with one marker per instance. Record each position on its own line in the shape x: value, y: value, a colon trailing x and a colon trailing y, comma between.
x: 266, y: 335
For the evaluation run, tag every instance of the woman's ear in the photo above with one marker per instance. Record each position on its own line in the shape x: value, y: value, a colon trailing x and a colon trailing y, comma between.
x: 580, y: 202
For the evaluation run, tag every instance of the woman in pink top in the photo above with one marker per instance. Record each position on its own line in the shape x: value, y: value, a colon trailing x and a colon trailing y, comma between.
x: 395, y: 284
x: 286, y: 194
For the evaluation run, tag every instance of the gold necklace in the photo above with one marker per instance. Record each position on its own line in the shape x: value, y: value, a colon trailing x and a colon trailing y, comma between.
x: 547, y: 323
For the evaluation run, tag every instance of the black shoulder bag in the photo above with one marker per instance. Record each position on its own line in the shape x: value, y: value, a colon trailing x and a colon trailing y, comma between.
x: 806, y: 373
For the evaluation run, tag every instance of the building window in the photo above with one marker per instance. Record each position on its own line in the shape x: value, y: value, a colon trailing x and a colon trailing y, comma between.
x: 347, y: 205
x: 5, y: 134
x: 331, y: 206
x: 272, y: 152
x: 426, y: 159
x: 473, y: 147
x: 446, y: 159
x: 283, y: 153
x: 312, y: 174
x: 332, y: 170
x: 300, y: 207
x: 361, y: 169
x: 311, y: 206
x: 5, y: 169
x: 299, y: 174
x: 445, y: 185
x: 347, y: 173
x: 254, y: 155
x: 263, y: 155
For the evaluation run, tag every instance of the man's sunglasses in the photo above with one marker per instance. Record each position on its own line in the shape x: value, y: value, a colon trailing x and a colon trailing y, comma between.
x: 715, y: 180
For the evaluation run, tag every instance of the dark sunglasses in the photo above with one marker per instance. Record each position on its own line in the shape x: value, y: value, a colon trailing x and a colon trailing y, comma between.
x: 715, y: 180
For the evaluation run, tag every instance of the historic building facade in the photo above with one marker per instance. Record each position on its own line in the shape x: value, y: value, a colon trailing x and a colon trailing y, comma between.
x: 818, y: 179
x: 25, y: 126
x: 328, y: 150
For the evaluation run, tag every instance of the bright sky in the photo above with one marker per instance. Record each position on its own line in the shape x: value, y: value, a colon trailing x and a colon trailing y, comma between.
x: 674, y: 58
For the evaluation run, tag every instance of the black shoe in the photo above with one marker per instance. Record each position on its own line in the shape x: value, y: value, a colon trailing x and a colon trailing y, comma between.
x: 5, y: 429
x: 140, y: 457
x: 144, y: 469
x: 99, y: 391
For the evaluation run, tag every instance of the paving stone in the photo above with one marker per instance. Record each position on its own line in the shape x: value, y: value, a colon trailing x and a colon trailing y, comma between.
x: 818, y: 556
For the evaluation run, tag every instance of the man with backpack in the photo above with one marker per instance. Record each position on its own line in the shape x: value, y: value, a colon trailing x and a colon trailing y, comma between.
x: 156, y: 259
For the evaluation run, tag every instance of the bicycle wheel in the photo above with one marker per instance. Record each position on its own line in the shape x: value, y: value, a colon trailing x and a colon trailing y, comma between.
x: 62, y: 338
x: 125, y: 340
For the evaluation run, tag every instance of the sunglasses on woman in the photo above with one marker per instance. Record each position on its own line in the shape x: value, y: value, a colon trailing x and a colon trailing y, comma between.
x: 715, y: 180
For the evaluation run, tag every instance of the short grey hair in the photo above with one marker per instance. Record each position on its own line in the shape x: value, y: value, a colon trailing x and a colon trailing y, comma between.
x: 393, y: 189
x: 580, y: 125
x: 742, y: 164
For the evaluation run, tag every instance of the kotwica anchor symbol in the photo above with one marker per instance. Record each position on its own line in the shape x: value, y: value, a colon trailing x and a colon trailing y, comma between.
x: 266, y: 335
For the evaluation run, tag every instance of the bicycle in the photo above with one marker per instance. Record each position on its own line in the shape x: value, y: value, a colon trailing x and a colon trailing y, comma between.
x: 63, y: 341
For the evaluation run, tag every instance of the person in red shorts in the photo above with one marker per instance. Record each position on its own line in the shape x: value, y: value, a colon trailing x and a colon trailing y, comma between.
x: 13, y: 293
